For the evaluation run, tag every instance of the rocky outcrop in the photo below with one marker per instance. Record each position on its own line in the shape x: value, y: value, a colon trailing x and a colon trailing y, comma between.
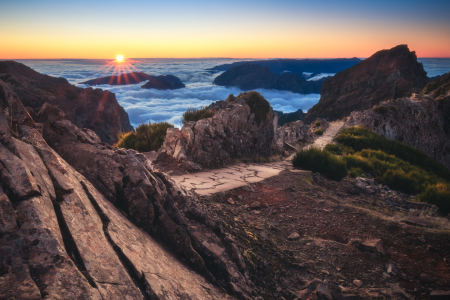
x: 61, y: 238
x: 162, y: 82
x: 242, y: 127
x: 251, y: 76
x: 388, y: 74
x: 96, y: 109
x: 284, y: 118
x: 418, y: 121
x: 291, y: 133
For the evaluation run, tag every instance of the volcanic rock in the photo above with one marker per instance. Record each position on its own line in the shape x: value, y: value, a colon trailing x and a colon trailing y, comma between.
x: 72, y: 243
x: 241, y: 127
x: 162, y: 82
x: 388, y: 74
x: 87, y: 108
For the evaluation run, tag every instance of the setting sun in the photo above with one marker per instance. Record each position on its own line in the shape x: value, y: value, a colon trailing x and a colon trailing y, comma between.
x: 119, y: 58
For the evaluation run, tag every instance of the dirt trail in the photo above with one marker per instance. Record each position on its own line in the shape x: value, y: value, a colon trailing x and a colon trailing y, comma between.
x: 327, y: 136
x: 225, y: 179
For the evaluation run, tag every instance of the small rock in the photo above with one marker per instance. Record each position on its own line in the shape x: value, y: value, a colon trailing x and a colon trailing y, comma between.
x: 230, y: 201
x: 375, y: 245
x: 325, y: 272
x: 256, y: 212
x: 391, y: 270
x: 240, y: 197
x: 358, y: 283
x: 294, y: 236
x: 255, y: 205
x: 386, y: 275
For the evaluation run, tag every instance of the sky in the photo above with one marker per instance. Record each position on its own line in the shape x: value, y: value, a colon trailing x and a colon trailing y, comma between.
x: 235, y: 28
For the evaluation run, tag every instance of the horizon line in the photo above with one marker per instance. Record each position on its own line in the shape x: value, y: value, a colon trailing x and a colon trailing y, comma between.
x: 268, y: 58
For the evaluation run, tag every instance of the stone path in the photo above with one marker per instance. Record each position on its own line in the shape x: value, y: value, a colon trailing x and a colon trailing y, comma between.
x: 327, y: 136
x: 220, y: 180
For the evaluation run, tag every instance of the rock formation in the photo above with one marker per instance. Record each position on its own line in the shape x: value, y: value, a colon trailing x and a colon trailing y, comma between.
x: 62, y: 238
x: 162, y: 82
x: 251, y: 76
x: 284, y: 118
x: 421, y: 121
x: 87, y: 108
x: 297, y: 66
x: 388, y: 74
x: 242, y: 127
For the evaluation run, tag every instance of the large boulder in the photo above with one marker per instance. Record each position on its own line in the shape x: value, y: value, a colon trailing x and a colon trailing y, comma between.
x: 388, y: 74
x: 61, y: 238
x: 242, y: 127
x: 96, y: 109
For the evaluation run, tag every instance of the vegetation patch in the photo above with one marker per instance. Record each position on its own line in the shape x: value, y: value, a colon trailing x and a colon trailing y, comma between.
x: 194, y: 114
x: 321, y: 161
x: 382, y: 110
x: 438, y: 195
x: 148, y: 137
x: 334, y: 148
x: 257, y: 103
x: 396, y: 165
x: 319, y: 131
x: 359, y: 138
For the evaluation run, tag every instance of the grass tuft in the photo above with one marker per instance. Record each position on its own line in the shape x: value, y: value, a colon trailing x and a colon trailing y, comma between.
x: 194, y: 114
x: 321, y: 161
x: 148, y: 137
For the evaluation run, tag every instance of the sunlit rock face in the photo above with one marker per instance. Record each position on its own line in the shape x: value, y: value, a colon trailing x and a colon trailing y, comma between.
x: 388, y: 74
x: 90, y: 108
x: 62, y: 237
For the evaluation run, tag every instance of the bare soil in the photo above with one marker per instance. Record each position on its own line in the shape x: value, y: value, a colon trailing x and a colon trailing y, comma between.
x: 331, y: 224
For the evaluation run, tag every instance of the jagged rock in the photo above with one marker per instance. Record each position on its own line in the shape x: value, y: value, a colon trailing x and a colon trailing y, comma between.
x: 292, y: 132
x: 72, y: 242
x: 440, y: 295
x: 388, y: 74
x: 242, y: 127
x: 87, y: 108
x: 255, y: 205
x: 375, y: 245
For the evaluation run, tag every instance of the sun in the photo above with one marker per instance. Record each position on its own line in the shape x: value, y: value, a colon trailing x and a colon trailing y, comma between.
x: 119, y: 58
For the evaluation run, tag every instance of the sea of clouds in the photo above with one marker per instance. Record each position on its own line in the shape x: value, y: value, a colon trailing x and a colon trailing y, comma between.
x: 151, y: 105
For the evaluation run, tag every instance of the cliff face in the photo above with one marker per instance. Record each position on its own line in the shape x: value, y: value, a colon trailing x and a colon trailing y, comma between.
x: 61, y: 238
x: 388, y: 74
x: 96, y: 109
x: 420, y: 122
x: 251, y: 76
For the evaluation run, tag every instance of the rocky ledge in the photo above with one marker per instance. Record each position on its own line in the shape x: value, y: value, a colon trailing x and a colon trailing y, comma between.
x: 388, y: 74
x: 90, y: 108
x: 251, y: 76
x: 242, y: 127
x: 162, y: 82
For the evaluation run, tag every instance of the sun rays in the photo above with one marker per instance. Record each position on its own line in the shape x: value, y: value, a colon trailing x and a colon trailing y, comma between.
x: 117, y: 67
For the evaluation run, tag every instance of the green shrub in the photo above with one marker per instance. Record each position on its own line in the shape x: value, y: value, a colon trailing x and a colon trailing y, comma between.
x: 400, y: 181
x: 317, y: 124
x: 194, y: 114
x: 333, y: 148
x: 258, y: 105
x: 355, y: 172
x: 360, y: 138
x: 438, y: 195
x: 381, y: 110
x: 148, y: 137
x: 319, y: 131
x: 321, y: 161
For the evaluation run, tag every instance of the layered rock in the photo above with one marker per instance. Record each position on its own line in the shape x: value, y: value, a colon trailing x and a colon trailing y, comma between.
x: 290, y: 133
x: 96, y: 109
x: 162, y: 82
x: 417, y: 121
x: 251, y: 76
x: 60, y: 237
x: 388, y: 74
x: 242, y: 127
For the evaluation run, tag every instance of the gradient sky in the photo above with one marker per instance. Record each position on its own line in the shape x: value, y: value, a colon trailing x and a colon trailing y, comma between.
x: 233, y: 28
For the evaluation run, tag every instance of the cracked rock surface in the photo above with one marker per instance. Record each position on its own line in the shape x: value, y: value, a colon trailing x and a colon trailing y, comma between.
x: 61, y: 238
